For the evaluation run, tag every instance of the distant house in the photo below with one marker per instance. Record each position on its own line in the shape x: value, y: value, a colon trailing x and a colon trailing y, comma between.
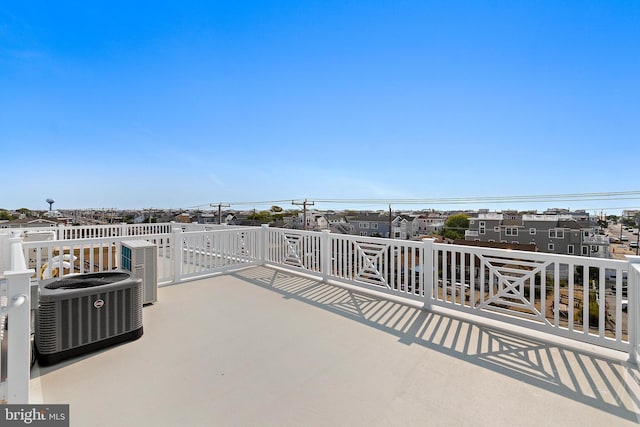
x: 342, y: 228
x: 204, y: 218
x: 551, y: 233
x: 402, y: 227
x: 430, y: 223
x: 183, y: 218
x: 339, y: 224
x: 320, y: 222
x: 370, y: 224
x: 631, y: 214
x: 333, y: 219
x: 26, y: 223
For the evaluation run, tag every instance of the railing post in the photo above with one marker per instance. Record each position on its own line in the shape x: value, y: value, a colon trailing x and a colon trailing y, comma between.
x: 123, y: 229
x: 263, y: 236
x: 19, y: 321
x: 60, y: 231
x: 633, y: 307
x: 427, y: 272
x: 5, y: 252
x: 176, y: 243
x: 325, y: 254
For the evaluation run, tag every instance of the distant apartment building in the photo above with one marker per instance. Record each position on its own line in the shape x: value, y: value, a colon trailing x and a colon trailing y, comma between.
x: 550, y: 233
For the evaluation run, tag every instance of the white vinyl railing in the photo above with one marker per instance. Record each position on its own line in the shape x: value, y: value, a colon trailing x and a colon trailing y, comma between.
x: 56, y: 258
x: 387, y: 265
x: 69, y: 232
x: 181, y: 255
x: 111, y: 230
x: 576, y: 297
x: 581, y: 298
x: 298, y: 250
x: 201, y: 253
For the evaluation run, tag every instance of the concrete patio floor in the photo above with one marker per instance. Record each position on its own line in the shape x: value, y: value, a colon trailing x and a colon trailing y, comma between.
x: 263, y: 347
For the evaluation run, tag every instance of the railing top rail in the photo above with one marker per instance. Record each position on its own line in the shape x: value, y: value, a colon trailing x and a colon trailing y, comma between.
x: 540, y: 256
x: 292, y: 230
x: 381, y: 240
x: 90, y: 240
x: 219, y: 231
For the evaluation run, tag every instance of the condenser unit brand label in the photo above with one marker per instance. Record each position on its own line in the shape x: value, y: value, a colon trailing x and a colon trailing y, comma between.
x: 34, y: 415
x: 98, y: 303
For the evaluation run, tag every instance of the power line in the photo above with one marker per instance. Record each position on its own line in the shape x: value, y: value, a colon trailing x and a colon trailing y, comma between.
x: 621, y: 195
x: 540, y: 198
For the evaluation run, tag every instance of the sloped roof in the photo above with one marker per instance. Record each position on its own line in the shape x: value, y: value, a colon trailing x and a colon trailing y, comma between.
x: 572, y: 224
x: 372, y: 217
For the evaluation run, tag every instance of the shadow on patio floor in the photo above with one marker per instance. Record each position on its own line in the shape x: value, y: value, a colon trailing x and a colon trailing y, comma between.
x: 608, y: 385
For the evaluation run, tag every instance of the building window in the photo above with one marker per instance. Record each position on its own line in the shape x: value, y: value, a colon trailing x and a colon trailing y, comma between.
x: 551, y: 247
x: 496, y: 229
x: 532, y: 231
x: 570, y: 250
x: 374, y: 225
x: 363, y: 233
x: 471, y: 222
x: 511, y: 231
x: 481, y: 227
x: 585, y: 250
x: 556, y: 233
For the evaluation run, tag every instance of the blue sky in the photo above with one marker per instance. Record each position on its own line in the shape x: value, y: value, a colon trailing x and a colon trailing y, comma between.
x: 181, y: 104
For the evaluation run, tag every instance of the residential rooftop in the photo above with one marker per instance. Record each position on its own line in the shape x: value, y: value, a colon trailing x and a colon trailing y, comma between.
x: 262, y: 346
x: 261, y: 326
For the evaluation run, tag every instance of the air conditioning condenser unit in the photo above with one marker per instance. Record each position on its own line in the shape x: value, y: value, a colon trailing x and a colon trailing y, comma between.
x: 81, y: 313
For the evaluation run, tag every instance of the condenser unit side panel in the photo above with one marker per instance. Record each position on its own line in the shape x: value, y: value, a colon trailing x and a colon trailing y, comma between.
x: 140, y: 257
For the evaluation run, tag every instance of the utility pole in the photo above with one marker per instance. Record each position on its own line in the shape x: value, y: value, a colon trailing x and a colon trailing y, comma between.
x: 390, y: 220
x: 220, y: 206
x: 620, y: 222
x: 304, y: 211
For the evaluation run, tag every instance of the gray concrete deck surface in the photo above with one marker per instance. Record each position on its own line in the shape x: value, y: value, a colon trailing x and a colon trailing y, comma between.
x: 262, y: 347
